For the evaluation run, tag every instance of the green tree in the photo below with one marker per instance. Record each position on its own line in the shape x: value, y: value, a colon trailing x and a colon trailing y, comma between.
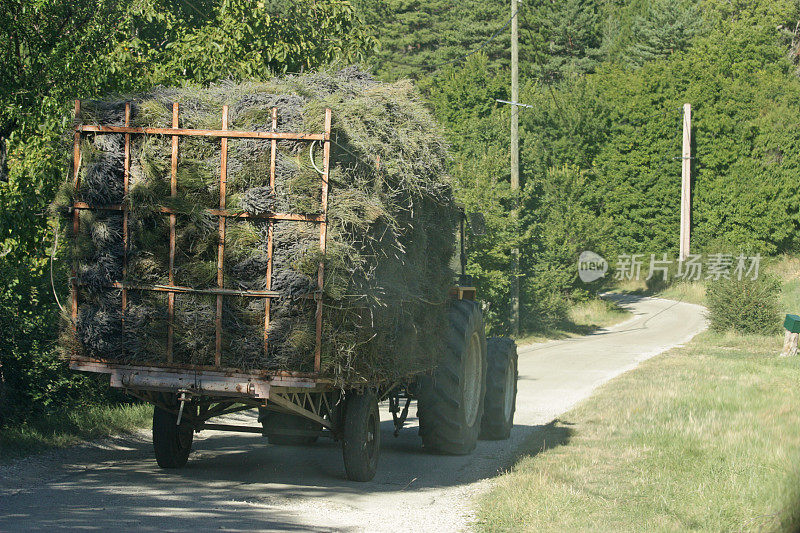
x: 464, y: 101
x: 570, y: 37
x: 416, y: 38
x: 667, y: 27
x: 624, y: 126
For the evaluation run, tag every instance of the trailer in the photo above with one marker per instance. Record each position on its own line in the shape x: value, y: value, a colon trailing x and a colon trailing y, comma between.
x: 469, y: 394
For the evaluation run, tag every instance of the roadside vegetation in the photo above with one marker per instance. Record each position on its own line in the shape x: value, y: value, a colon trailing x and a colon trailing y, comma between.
x: 704, y: 437
x: 58, y: 430
x: 582, y: 318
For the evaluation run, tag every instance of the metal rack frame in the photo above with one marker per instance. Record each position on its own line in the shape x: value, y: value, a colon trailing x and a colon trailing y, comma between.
x: 175, y: 132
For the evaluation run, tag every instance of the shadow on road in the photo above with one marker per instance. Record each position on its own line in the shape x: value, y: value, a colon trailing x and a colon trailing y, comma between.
x: 233, y: 479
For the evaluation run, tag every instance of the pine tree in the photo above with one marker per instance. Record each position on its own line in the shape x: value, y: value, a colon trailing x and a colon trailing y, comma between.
x: 419, y: 37
x: 571, y: 35
x: 667, y: 27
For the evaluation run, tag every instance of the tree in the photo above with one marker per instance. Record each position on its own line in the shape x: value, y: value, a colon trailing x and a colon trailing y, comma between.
x: 667, y: 27
x: 571, y: 34
x: 416, y: 38
x: 464, y: 101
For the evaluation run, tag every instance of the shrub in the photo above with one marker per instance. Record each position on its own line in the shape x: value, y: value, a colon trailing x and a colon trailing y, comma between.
x: 746, y: 306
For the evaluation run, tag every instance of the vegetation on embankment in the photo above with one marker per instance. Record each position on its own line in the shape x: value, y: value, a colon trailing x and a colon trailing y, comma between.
x: 69, y: 427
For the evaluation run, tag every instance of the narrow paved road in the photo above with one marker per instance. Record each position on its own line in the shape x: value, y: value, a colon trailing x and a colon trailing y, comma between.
x: 236, y: 482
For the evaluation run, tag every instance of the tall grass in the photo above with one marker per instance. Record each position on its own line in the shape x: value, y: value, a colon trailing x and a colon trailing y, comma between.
x: 583, y: 317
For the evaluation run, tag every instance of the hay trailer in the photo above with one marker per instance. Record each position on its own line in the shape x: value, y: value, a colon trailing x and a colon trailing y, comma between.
x: 470, y: 394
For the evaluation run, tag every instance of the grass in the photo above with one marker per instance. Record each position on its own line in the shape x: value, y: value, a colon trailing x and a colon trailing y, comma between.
x: 583, y: 318
x: 693, y: 292
x: 70, y: 428
x: 705, y: 437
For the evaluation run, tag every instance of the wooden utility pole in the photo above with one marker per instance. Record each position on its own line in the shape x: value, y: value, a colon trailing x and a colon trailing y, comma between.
x: 686, y: 183
x: 515, y: 156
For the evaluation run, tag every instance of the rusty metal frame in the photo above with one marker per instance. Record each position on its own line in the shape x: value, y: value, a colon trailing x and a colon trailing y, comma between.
x: 175, y: 132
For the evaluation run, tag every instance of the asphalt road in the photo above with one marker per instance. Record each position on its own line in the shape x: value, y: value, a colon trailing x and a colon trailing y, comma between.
x: 238, y: 482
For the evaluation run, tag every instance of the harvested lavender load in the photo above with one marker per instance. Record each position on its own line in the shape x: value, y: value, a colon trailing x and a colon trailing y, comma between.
x: 390, y: 236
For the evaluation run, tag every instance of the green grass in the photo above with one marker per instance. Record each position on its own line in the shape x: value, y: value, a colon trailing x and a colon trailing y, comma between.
x: 583, y: 318
x: 73, y: 427
x: 704, y: 437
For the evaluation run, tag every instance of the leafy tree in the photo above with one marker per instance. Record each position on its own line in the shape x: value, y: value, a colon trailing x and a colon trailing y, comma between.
x: 625, y: 127
x: 417, y: 38
x: 464, y: 101
x: 569, y: 220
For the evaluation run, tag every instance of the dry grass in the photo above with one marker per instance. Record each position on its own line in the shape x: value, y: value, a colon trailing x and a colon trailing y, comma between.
x: 693, y: 292
x: 785, y: 267
x: 583, y: 318
x: 597, y: 313
x: 705, y: 437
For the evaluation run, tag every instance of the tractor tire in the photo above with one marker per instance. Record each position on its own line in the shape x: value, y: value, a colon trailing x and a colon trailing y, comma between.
x: 501, y: 389
x: 361, y: 436
x: 450, y: 402
x: 272, y: 420
x: 172, y: 443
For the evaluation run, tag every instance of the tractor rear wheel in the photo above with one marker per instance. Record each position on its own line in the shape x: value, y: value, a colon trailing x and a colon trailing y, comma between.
x: 450, y: 402
x: 501, y: 389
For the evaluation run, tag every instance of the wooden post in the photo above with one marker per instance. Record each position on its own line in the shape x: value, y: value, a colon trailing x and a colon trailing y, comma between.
x: 792, y: 326
x: 323, y: 236
x: 125, y: 186
x: 789, y: 344
x: 515, y: 157
x: 686, y: 183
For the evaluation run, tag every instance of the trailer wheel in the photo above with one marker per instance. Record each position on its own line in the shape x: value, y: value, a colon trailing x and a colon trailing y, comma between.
x: 361, y: 436
x: 450, y: 402
x: 501, y: 389
x: 171, y: 443
x: 271, y: 420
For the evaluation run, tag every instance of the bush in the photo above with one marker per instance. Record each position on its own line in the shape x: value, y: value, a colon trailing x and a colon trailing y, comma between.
x: 746, y: 306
